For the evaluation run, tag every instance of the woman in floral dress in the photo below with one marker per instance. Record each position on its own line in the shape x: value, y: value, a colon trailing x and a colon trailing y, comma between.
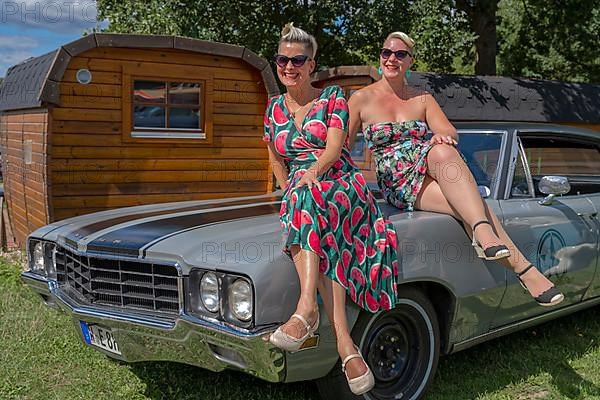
x: 332, y: 225
x: 430, y: 174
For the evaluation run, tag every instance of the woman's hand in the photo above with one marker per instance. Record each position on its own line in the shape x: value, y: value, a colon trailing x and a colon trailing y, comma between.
x: 309, y: 178
x: 443, y: 139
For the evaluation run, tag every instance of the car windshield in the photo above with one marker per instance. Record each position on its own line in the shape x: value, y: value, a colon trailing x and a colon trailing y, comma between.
x: 482, y: 152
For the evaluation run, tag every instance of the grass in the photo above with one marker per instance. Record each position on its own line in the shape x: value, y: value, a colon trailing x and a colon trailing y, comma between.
x: 41, y: 357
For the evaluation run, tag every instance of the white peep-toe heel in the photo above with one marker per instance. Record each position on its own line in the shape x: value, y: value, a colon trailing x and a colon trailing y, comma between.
x: 289, y: 343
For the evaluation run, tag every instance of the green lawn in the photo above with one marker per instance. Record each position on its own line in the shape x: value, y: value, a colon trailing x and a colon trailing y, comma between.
x: 41, y: 357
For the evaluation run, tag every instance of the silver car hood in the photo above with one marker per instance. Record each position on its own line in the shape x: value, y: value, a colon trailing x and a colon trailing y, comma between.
x: 128, y: 232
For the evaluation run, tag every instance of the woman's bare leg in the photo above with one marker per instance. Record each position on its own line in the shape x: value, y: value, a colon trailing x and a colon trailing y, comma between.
x: 456, y: 182
x: 307, y: 266
x: 431, y: 198
x: 334, y: 300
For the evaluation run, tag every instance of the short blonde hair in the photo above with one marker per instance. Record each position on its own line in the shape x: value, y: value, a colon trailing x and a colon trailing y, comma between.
x: 291, y: 34
x: 408, y: 41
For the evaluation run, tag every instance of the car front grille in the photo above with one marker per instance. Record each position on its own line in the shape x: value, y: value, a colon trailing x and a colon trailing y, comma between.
x: 119, y: 283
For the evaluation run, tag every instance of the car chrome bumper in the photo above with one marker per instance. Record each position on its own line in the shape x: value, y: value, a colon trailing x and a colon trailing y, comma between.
x: 186, y: 340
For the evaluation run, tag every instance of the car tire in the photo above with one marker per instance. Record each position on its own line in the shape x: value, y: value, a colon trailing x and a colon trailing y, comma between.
x: 401, y: 346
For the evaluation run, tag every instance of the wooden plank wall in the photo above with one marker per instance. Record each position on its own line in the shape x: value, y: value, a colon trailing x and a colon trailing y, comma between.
x: 93, y: 169
x: 25, y: 184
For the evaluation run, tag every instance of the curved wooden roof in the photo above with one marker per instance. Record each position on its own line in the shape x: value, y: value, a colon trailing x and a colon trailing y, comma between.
x: 496, y: 98
x: 35, y: 81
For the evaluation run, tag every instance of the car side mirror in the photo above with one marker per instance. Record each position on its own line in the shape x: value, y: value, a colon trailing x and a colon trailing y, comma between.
x: 552, y: 185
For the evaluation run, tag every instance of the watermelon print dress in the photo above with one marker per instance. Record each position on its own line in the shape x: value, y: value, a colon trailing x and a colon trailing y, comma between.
x: 341, y: 223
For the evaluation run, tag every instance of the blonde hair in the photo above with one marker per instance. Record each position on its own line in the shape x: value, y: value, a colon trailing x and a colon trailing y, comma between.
x: 291, y: 34
x: 408, y: 41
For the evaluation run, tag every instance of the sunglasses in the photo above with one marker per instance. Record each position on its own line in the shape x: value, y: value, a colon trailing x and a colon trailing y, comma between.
x: 297, y: 61
x: 400, y: 54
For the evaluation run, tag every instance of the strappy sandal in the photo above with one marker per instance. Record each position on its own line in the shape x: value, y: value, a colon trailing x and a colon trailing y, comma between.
x: 289, y: 343
x: 550, y: 297
x: 492, y: 252
x: 361, y: 384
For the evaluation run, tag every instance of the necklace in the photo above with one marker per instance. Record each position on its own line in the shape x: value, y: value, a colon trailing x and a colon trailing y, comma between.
x: 294, y: 112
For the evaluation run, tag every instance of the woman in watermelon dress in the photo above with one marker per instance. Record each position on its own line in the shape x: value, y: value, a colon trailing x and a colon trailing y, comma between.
x: 333, y: 228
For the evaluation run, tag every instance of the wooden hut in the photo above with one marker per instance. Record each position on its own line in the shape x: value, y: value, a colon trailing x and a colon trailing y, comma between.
x: 119, y: 120
x: 482, y: 98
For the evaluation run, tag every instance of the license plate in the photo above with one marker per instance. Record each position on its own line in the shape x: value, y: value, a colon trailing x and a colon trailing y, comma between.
x: 100, y: 337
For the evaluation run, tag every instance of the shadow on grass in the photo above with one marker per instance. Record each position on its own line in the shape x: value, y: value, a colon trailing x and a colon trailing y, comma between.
x: 548, y: 349
x: 166, y: 380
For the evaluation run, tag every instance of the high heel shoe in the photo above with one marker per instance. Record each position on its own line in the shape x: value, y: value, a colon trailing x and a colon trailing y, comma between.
x: 361, y: 384
x: 550, y: 297
x: 292, y: 344
x: 492, y: 252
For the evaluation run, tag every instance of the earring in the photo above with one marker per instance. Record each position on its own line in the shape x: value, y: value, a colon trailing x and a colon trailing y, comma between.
x: 407, y: 73
x: 380, y: 71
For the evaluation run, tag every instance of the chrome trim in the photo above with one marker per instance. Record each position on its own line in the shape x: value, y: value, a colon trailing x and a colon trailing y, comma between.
x: 69, y: 253
x: 526, y: 168
x: 504, y: 330
x: 512, y: 167
x: 187, y: 340
x: 520, y: 158
x: 180, y: 289
x: 109, y: 256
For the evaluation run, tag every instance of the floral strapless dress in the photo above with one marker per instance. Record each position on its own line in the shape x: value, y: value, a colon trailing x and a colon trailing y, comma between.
x: 400, y: 153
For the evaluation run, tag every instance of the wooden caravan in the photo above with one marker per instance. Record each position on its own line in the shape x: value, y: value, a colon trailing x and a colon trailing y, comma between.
x: 120, y: 120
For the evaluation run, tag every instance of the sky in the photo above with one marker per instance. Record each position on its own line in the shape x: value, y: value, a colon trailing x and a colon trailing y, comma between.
x: 30, y: 28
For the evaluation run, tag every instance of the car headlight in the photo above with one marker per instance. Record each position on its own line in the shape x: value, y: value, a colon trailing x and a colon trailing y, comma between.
x: 42, y: 258
x: 240, y: 299
x: 37, y: 259
x: 209, y: 291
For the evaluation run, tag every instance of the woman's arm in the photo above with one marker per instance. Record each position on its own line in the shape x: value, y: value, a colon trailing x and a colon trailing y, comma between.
x: 355, y: 105
x: 437, y: 120
x: 278, y: 166
x: 333, y: 150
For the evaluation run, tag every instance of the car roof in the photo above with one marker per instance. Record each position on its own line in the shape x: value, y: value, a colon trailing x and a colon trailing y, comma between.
x: 526, y: 127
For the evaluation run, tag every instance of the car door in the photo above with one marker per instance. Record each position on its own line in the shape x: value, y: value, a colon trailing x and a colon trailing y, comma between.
x: 561, y: 237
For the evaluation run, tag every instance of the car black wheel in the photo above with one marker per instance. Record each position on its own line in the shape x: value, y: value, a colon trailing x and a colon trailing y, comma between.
x: 401, y: 347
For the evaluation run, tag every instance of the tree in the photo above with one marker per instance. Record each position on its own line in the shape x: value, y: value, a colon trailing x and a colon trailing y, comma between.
x: 482, y: 19
x: 348, y: 31
x: 555, y: 39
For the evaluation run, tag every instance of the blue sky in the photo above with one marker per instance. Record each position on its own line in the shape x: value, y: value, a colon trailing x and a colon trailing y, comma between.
x: 29, y: 28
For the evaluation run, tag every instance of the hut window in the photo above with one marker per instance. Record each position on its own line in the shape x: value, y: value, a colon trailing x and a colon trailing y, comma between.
x: 167, y: 109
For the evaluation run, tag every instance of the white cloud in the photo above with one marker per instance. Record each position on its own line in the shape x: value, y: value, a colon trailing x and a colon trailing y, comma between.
x: 15, y: 49
x: 66, y: 16
x: 17, y: 43
x: 15, y: 57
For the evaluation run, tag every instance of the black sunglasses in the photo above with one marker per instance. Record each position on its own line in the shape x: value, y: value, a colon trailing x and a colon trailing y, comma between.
x: 400, y: 54
x: 297, y: 61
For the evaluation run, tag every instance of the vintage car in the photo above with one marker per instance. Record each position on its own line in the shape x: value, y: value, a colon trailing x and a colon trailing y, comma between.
x: 204, y: 283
